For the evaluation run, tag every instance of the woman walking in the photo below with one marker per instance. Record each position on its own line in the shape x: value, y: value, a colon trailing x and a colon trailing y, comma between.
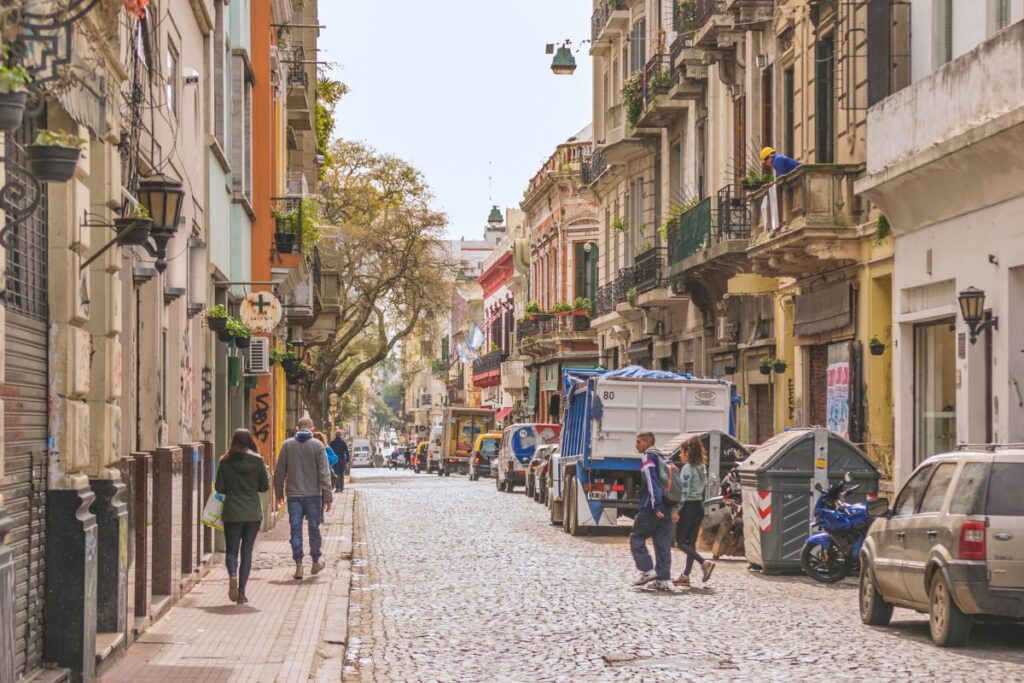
x: 332, y: 459
x: 694, y: 474
x: 241, y: 478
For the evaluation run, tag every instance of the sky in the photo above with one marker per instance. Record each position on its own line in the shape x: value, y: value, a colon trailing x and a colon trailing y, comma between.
x: 450, y: 85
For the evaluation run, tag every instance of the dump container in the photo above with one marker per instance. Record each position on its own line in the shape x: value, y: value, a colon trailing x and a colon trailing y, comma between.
x: 724, y: 452
x: 778, y: 491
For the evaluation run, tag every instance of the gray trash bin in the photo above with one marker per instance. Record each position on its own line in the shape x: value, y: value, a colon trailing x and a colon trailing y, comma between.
x: 778, y: 491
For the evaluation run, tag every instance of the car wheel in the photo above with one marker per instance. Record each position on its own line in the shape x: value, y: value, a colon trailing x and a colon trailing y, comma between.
x: 874, y: 610
x: 948, y: 625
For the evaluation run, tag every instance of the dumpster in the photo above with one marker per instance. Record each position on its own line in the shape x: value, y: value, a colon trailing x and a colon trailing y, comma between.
x: 724, y: 452
x: 778, y: 491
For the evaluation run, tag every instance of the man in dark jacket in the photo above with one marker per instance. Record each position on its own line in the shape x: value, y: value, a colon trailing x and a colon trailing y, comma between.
x: 302, y: 467
x: 340, y: 449
x: 653, y: 520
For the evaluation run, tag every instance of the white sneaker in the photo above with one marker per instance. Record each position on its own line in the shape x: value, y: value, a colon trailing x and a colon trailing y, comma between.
x: 645, y: 578
x: 663, y: 586
x: 298, y: 571
x: 318, y: 567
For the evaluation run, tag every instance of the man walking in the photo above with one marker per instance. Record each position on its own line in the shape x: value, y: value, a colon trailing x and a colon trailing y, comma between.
x: 653, y: 520
x: 340, y: 449
x: 302, y: 467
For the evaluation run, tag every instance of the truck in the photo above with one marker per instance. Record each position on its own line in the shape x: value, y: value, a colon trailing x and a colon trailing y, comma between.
x: 460, y: 426
x: 595, y: 476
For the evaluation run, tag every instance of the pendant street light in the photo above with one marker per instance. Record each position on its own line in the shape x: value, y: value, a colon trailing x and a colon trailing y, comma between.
x: 564, y: 64
x: 161, y: 196
x: 972, y: 308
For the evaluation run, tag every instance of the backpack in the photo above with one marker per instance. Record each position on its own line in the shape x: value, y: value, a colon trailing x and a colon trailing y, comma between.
x: 671, y: 481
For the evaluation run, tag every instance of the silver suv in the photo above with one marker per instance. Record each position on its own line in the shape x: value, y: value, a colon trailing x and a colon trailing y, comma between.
x: 952, y: 545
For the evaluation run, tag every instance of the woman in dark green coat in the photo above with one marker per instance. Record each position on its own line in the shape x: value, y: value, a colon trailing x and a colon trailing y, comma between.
x: 241, y: 478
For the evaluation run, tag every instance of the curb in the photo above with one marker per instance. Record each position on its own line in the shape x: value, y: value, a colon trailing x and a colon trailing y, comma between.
x: 330, y: 654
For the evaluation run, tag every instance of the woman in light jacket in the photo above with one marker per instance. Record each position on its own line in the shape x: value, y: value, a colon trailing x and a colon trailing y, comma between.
x: 694, y: 474
x: 241, y: 478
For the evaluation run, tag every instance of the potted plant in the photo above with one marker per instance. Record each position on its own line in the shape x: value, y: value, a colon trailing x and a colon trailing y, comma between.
x: 532, y: 309
x: 216, y: 317
x: 779, y: 365
x: 54, y: 155
x: 582, y: 306
x: 299, y: 373
x: 766, y: 365
x: 876, y: 346
x: 14, y: 80
x: 225, y: 334
x: 284, y: 235
x: 619, y: 223
x: 756, y: 178
x: 134, y: 227
x: 561, y: 309
x: 631, y: 295
x: 289, y: 360
x: 241, y: 332
x: 494, y: 347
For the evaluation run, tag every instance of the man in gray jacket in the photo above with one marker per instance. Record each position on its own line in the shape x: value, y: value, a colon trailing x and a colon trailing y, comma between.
x: 302, y: 468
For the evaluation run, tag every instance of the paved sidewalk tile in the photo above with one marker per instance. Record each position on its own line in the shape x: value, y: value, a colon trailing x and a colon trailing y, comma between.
x: 278, y: 636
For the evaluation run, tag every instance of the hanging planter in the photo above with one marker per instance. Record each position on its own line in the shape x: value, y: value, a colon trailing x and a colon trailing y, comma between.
x: 240, y: 331
x: 242, y: 342
x: 12, y: 110
x: 284, y: 242
x: 216, y: 318
x: 766, y: 366
x: 133, y: 231
x: 54, y: 156
x: 779, y: 366
x: 291, y: 365
x: 876, y: 346
x: 224, y: 335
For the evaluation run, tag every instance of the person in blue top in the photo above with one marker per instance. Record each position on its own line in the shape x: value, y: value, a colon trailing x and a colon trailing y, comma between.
x: 779, y: 163
x: 332, y: 459
x: 694, y: 474
x: 653, y: 519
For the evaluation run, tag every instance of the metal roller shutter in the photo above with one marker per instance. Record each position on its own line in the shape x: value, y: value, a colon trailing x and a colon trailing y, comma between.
x: 25, y: 391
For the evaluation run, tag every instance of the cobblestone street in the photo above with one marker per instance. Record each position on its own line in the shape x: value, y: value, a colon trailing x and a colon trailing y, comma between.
x: 455, y: 581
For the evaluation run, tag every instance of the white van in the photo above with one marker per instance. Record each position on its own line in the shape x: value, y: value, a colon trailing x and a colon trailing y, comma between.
x: 361, y: 453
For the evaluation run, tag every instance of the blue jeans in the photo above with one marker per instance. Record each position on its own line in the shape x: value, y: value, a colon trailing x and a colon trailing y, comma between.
x: 309, y: 507
x: 647, y: 525
x: 240, y: 535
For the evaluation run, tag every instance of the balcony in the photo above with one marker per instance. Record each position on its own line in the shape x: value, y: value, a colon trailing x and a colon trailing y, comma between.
x: 621, y: 142
x: 298, y: 99
x: 551, y: 333
x: 818, y: 215
x: 705, y: 32
x: 611, y: 16
x: 648, y: 266
x: 592, y: 166
x: 688, y: 73
x: 713, y: 234
x: 487, y: 369
x: 660, y: 109
x: 615, y: 292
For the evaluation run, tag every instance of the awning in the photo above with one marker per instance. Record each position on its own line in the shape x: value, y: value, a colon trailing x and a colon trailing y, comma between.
x: 823, y: 310
x: 502, y: 414
x: 640, y: 349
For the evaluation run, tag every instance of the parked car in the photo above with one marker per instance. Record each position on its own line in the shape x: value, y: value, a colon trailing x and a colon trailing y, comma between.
x: 485, y: 450
x: 541, y: 458
x: 518, y: 444
x: 952, y: 545
x: 361, y: 454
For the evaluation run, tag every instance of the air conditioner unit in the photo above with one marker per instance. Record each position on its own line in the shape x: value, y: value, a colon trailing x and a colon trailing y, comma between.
x: 725, y: 330
x: 257, y: 359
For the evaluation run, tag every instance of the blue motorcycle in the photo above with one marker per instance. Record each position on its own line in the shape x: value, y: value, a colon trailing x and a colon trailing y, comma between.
x: 834, y: 554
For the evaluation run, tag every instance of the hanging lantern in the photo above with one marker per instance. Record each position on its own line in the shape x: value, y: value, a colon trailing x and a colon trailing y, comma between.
x: 161, y: 196
x: 564, y: 64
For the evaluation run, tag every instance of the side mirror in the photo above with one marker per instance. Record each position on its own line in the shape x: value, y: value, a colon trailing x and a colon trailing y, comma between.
x: 848, y: 477
x: 878, y: 507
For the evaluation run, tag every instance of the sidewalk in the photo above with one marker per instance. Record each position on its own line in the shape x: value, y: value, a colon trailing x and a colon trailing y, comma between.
x: 289, y: 631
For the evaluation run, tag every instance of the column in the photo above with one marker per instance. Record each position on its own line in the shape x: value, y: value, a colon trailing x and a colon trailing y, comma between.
x: 166, y: 566
x: 142, y: 487
x: 110, y: 508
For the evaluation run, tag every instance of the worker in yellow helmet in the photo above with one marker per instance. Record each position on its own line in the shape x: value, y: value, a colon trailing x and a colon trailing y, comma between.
x: 779, y: 163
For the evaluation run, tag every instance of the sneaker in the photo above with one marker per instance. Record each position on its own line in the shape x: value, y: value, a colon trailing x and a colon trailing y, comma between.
x: 233, y: 589
x: 645, y: 578
x: 707, y: 568
x: 683, y: 580
x: 298, y: 571
x: 318, y: 567
x: 663, y: 585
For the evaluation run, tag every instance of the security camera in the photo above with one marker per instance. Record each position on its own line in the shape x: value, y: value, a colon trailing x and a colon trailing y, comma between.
x: 191, y: 75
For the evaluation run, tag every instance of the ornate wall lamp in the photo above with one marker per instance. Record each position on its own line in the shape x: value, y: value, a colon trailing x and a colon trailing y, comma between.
x: 972, y: 308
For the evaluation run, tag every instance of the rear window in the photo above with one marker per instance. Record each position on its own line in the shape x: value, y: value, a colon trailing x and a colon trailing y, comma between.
x: 489, y: 446
x: 967, y: 496
x: 1004, y: 490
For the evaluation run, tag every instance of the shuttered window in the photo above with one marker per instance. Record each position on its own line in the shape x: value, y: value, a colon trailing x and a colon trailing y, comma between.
x: 945, y: 32
x: 824, y: 101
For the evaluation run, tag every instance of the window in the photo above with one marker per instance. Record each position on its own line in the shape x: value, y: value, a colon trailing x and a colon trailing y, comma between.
x: 934, y: 388
x: 944, y: 31
x: 1004, y: 487
x: 638, y: 46
x: 171, y: 77
x: 766, y: 107
x: 936, y: 493
x: 824, y: 101
x: 906, y: 502
x: 969, y: 490
x: 219, y: 75
x: 789, y: 110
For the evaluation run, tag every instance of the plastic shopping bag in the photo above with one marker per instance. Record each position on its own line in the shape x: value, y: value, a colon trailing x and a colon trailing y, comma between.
x: 213, y: 510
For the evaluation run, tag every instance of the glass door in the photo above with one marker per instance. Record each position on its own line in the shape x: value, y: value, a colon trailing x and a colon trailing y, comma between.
x: 934, y: 388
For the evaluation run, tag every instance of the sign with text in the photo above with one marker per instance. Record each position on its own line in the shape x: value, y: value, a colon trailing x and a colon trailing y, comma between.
x: 261, y: 311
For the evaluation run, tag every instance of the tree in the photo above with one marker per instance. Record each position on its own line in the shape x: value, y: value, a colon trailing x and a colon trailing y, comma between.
x: 387, y: 247
x: 328, y: 92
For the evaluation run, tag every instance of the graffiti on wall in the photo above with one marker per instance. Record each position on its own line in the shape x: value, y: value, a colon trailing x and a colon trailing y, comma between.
x: 187, y: 404
x: 260, y: 418
x: 206, y: 406
x: 838, y: 398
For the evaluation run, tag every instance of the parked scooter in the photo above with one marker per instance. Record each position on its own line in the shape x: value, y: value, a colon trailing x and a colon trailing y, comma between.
x: 834, y: 554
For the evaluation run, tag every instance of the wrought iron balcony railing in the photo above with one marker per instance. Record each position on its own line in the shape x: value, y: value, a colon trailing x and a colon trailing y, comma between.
x: 593, y: 166
x: 703, y: 10
x: 648, y: 269
x: 599, y: 19
x: 616, y: 291
x: 295, y: 57
x: 712, y: 220
x: 489, y: 363
x: 657, y: 76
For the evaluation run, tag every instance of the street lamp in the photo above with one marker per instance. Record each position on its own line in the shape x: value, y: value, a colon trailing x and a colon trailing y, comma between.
x: 161, y: 195
x: 564, y: 64
x: 972, y: 308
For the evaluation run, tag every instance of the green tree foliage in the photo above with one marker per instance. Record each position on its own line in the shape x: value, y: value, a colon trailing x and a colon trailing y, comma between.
x: 328, y: 93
